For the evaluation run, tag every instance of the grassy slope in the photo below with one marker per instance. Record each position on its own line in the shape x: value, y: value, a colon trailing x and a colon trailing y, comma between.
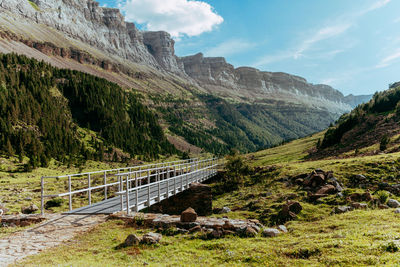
x: 316, y: 238
x: 356, y: 238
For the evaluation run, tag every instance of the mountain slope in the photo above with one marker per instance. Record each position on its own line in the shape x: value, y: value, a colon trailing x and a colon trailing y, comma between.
x: 370, y: 128
x: 42, y: 109
x: 83, y: 36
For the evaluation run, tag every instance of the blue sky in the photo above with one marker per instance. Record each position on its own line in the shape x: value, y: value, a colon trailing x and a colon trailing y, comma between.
x: 353, y: 46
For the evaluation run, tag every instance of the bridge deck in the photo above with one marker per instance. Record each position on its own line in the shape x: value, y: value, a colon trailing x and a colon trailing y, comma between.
x: 175, y: 185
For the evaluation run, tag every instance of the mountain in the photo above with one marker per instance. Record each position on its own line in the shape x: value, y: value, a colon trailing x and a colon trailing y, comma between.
x: 202, y: 103
x: 370, y: 128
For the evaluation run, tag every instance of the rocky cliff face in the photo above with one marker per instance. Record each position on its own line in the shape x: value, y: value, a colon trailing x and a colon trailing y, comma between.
x: 106, y: 30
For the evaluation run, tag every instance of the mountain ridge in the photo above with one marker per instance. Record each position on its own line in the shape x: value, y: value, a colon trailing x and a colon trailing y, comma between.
x: 265, y: 108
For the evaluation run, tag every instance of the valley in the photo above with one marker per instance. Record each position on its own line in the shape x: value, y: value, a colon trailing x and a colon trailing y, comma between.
x: 306, y: 175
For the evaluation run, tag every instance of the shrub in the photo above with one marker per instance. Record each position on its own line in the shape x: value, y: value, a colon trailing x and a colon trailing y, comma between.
x: 384, y: 142
x: 391, y: 247
x: 383, y: 196
x: 55, y: 202
x: 236, y: 169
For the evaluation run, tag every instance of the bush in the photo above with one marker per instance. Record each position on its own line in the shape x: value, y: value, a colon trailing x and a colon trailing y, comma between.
x: 55, y: 202
x: 384, y: 142
x: 236, y: 170
x: 391, y: 247
x: 383, y: 196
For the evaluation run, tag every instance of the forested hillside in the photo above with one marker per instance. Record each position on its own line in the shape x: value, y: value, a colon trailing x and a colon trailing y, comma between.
x: 42, y: 107
x: 376, y: 122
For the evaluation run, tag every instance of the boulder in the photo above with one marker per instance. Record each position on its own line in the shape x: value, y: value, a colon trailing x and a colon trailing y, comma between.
x: 151, y: 238
x: 342, y: 209
x: 397, y: 211
x: 294, y: 207
x: 225, y: 210
x: 132, y: 240
x: 270, y: 232
x: 357, y: 205
x: 250, y: 232
x: 326, y: 189
x: 228, y: 226
x: 282, y: 228
x: 393, y: 203
x: 189, y: 215
x: 383, y: 206
x: 195, y: 229
x: 30, y: 209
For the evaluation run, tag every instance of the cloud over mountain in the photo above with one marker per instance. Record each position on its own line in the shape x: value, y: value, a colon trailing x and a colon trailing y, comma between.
x: 178, y: 17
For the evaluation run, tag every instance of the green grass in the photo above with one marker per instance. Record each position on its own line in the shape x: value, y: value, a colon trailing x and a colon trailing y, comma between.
x: 353, y: 239
x: 316, y: 237
x: 296, y: 150
x: 34, y: 5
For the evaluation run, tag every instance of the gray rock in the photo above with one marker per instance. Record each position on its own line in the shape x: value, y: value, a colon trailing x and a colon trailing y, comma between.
x: 29, y: 210
x: 282, y: 228
x: 397, y: 211
x: 270, y: 232
x: 132, y: 240
x: 393, y: 203
x: 342, y: 209
x: 225, y: 210
x: 151, y: 238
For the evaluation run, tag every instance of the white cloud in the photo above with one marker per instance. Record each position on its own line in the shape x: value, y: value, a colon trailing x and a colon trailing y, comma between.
x: 322, y: 34
x: 376, y: 5
x: 342, y: 25
x: 178, y: 17
x: 230, y: 47
x: 387, y: 61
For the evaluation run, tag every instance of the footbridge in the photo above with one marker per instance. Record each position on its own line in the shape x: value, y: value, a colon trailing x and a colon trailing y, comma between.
x: 126, y: 189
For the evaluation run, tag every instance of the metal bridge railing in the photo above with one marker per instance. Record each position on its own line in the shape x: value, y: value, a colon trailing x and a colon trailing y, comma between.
x: 170, y: 176
x: 135, y: 177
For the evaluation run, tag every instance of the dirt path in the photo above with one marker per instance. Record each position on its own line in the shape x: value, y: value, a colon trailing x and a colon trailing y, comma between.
x: 54, y: 231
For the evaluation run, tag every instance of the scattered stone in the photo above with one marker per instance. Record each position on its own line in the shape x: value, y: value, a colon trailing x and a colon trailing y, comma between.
x: 225, y: 210
x: 29, y: 210
x: 326, y: 189
x: 195, y: 229
x: 189, y: 215
x: 181, y: 231
x: 216, y: 233
x: 132, y: 240
x: 393, y: 203
x: 383, y: 206
x: 357, y: 205
x: 397, y: 211
x: 270, y: 232
x: 28, y: 199
x: 282, y: 228
x: 289, y: 211
x: 250, y: 232
x: 228, y: 226
x: 342, y: 209
x: 151, y: 238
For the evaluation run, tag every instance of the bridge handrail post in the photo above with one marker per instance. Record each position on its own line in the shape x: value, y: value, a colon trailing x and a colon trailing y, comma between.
x: 148, y: 188
x: 105, y: 185
x: 89, y: 190
x: 127, y: 195
x: 42, y: 196
x: 137, y: 193
x: 69, y: 191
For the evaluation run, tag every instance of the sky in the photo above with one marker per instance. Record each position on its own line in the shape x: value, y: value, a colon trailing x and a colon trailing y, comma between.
x: 354, y: 46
